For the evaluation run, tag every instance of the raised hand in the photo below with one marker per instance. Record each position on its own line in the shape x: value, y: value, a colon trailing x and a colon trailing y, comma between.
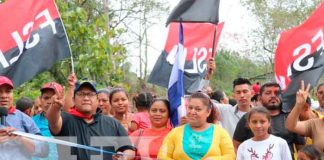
x: 72, y: 79
x: 58, y: 99
x: 183, y: 120
x: 125, y: 122
x: 211, y: 67
x: 302, y: 94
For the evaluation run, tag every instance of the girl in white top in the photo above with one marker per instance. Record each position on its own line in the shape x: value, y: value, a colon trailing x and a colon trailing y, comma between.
x: 263, y: 146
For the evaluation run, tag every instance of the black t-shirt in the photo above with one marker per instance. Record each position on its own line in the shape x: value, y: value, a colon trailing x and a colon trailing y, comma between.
x: 103, y: 133
x: 242, y: 131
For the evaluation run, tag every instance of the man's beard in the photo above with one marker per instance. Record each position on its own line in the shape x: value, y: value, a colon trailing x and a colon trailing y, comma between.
x: 272, y: 106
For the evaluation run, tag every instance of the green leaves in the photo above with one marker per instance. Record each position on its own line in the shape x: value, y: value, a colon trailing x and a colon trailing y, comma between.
x: 230, y: 65
x: 97, y: 35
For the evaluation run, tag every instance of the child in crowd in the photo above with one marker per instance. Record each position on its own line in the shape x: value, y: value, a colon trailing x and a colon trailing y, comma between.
x: 309, y: 152
x: 262, y: 145
x: 141, y: 119
x: 25, y: 104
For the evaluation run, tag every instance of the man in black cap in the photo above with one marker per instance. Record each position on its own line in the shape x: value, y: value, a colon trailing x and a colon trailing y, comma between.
x: 85, y: 121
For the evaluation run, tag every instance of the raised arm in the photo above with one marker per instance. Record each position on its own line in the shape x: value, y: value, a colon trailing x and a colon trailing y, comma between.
x: 54, y: 114
x: 68, y: 101
x: 204, y: 83
x: 292, y: 123
x: 211, y: 67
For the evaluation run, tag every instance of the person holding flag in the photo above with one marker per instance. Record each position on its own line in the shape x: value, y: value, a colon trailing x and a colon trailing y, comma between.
x: 85, y: 121
x: 202, y: 31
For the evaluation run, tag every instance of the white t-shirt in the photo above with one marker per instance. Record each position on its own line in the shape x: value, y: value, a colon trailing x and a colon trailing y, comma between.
x: 273, y: 148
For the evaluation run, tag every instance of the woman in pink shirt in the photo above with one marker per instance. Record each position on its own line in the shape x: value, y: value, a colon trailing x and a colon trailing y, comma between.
x: 148, y: 141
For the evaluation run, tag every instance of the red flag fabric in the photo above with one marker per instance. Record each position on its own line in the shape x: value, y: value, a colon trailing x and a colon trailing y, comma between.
x: 299, y: 56
x: 198, y: 47
x: 32, y: 38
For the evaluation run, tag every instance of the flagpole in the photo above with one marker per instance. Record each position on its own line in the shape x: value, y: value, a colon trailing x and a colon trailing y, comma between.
x: 213, y: 49
x: 67, y: 38
x: 214, y: 39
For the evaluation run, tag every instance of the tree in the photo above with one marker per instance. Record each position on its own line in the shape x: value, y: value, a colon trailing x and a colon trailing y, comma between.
x: 231, y: 65
x: 95, y: 57
x: 137, y: 17
x: 275, y: 17
x: 96, y: 30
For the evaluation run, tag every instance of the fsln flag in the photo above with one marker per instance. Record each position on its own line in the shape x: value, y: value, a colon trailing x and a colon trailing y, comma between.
x: 198, y: 48
x: 32, y: 38
x: 299, y: 56
x: 202, y: 11
x: 176, y: 83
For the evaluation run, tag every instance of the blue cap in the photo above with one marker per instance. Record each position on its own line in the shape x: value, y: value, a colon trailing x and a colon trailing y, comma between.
x: 79, y: 84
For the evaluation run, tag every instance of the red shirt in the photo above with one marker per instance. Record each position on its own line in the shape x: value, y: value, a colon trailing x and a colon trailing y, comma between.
x: 256, y: 88
x: 149, y: 142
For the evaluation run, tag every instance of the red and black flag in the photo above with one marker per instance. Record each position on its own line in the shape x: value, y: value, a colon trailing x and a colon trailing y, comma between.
x: 299, y: 56
x: 201, y: 31
x: 32, y: 38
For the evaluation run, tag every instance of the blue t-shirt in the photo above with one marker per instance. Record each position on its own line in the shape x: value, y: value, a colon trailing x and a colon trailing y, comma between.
x: 42, y: 124
x: 196, y: 144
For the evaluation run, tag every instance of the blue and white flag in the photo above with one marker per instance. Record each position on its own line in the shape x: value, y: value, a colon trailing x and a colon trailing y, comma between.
x: 176, y: 85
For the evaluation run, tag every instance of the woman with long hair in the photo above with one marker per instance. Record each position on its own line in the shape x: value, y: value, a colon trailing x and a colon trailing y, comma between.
x: 119, y: 102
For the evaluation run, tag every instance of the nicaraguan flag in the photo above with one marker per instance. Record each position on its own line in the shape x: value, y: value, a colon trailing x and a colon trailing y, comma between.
x: 176, y: 86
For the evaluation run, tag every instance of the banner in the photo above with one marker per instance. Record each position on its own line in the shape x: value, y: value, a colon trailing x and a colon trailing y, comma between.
x: 32, y: 38
x: 198, y: 47
x: 299, y: 56
x: 202, y: 11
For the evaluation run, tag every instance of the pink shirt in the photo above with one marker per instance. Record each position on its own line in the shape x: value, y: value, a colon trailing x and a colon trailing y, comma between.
x: 142, y: 120
x: 149, y: 142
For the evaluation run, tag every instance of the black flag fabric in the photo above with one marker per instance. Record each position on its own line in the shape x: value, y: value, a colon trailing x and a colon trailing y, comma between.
x: 198, y: 47
x: 202, y: 32
x: 198, y: 11
x: 299, y: 56
x: 32, y: 38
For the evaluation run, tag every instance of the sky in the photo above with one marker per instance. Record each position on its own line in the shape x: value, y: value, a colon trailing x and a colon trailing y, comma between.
x: 238, y: 24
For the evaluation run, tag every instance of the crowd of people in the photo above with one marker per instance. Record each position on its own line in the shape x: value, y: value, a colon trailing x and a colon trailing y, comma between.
x: 252, y: 128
